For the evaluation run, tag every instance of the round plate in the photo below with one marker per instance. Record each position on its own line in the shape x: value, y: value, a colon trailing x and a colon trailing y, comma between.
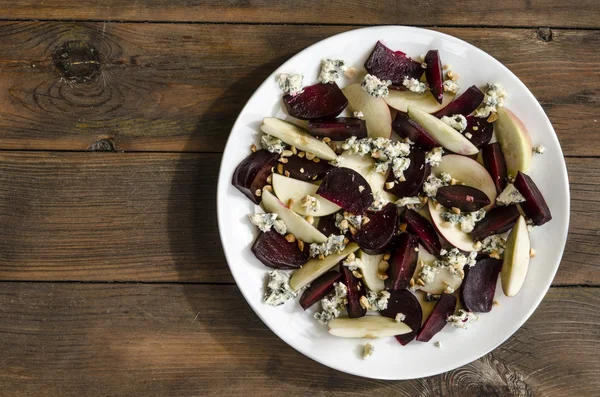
x: 391, y: 360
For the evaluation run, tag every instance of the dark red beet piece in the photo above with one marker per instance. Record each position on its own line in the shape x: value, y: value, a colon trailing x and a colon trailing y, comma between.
x: 306, y: 170
x: 494, y: 163
x: 319, y: 288
x: 434, y: 74
x: 403, y: 301
x: 338, y: 129
x: 444, y: 308
x: 355, y: 291
x: 376, y: 236
x: 497, y: 220
x: 535, y: 206
x: 251, y: 174
x: 392, y: 65
x: 403, y: 262
x: 480, y: 129
x: 420, y: 226
x: 273, y: 250
x: 406, y: 127
x: 479, y: 285
x: 465, y: 104
x: 316, y: 102
x: 465, y: 198
x: 326, y: 225
x: 342, y: 186
x: 416, y: 174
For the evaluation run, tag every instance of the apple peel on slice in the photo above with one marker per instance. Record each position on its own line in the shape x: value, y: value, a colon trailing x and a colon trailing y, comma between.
x: 401, y: 100
x: 375, y: 111
x: 516, y: 258
x: 367, y: 327
x: 514, y: 140
x: 287, y: 189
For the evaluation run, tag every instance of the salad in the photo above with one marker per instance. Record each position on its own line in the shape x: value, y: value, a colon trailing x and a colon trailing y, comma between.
x: 397, y: 218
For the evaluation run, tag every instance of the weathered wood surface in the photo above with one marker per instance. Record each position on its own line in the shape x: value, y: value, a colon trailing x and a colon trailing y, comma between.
x: 151, y: 217
x: 578, y: 13
x: 164, y: 87
x: 200, y: 340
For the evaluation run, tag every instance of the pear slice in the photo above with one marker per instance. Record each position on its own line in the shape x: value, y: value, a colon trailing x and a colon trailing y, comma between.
x: 401, y: 100
x: 367, y: 327
x: 445, y: 135
x: 296, y: 225
x: 296, y: 136
x: 516, y: 258
x: 514, y: 140
x: 375, y: 110
x: 314, y: 268
x: 369, y: 270
x: 287, y: 189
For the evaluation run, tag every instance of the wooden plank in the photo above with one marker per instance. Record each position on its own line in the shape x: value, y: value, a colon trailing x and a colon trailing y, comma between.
x: 164, y: 87
x: 151, y: 217
x: 184, y: 340
x: 579, y: 13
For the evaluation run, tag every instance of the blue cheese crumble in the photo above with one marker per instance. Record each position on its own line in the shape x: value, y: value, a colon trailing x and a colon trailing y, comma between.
x: 539, y: 150
x: 462, y: 319
x: 330, y: 69
x: 345, y: 220
x: 510, y: 195
x: 434, y: 156
x: 410, y: 202
x: 456, y: 121
x: 433, y: 183
x: 454, y: 260
x: 379, y: 200
x: 493, y: 99
x: 378, y: 302
x: 399, y: 165
x: 333, y: 304
x: 450, y: 86
x: 359, y: 115
x: 352, y: 262
x: 415, y: 85
x: 400, y: 317
x: 368, y: 351
x: 310, y: 203
x: 278, y: 289
x: 467, y: 220
x: 493, y: 244
x: 265, y: 221
x: 333, y: 245
x: 427, y: 274
x: 272, y: 144
x: 375, y: 87
x: 290, y: 83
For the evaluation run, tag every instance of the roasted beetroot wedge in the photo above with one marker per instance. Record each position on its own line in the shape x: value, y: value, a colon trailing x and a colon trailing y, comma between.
x: 493, y: 161
x: 402, y: 262
x: 434, y: 74
x: 376, y: 236
x: 465, y: 198
x: 535, y: 206
x: 355, y: 291
x: 306, y: 170
x: 479, y: 285
x: 392, y: 65
x: 326, y: 225
x: 420, y: 227
x: 319, y: 288
x: 348, y: 189
x: 316, y: 102
x: 251, y: 174
x: 406, y: 127
x: 480, y: 129
x: 273, y: 250
x: 444, y: 308
x: 465, y: 104
x: 497, y: 220
x: 338, y: 129
x: 416, y: 174
x: 404, y: 302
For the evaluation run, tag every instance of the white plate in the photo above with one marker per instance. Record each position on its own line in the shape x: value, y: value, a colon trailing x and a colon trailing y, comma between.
x: 391, y: 360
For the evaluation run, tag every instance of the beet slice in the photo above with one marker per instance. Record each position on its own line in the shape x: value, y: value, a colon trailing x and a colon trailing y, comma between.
x: 416, y: 174
x: 479, y: 285
x: 348, y: 189
x: 497, y: 220
x: 377, y: 235
x: 434, y: 74
x: 403, y: 262
x: 406, y: 127
x: 535, y: 206
x: 316, y: 102
x: 465, y: 198
x: 326, y: 225
x: 251, y: 174
x: 420, y: 226
x: 319, y: 288
x: 480, y: 129
x: 338, y: 129
x: 494, y: 163
x: 444, y: 308
x: 355, y: 291
x: 306, y: 170
x: 465, y: 104
x: 273, y: 250
x: 403, y: 301
x: 392, y: 65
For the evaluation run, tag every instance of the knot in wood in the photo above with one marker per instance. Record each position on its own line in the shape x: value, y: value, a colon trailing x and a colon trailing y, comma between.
x: 103, y: 145
x: 77, y: 61
x: 544, y: 34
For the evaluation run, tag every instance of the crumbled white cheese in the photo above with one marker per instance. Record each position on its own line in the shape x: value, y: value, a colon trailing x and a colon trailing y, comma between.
x: 410, y: 202
x: 330, y: 70
x: 361, y: 188
x: 462, y: 319
x: 468, y: 135
x: 454, y: 260
x: 278, y: 289
x: 264, y: 221
x: 434, y: 157
x: 510, y: 195
x: 400, y: 317
x: 381, y: 167
x: 311, y: 203
x: 359, y: 115
x: 368, y: 351
x: 399, y: 165
x: 467, y: 220
x: 290, y: 83
x: 333, y: 245
x: 379, y: 200
x: 375, y: 87
x: 539, y: 150
x: 272, y: 144
x: 381, y: 149
x: 333, y: 304
x: 379, y: 301
x: 433, y: 183
x: 456, y: 121
x: 350, y: 220
x: 427, y: 274
x: 280, y: 227
x: 352, y: 262
x: 493, y: 243
x: 493, y: 99
x: 438, y: 344
x: 414, y: 85
x: 450, y: 86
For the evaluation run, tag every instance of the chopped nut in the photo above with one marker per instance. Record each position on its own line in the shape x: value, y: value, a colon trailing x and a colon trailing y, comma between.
x: 350, y: 72
x: 416, y: 249
x: 258, y: 192
x: 364, y: 303
x: 270, y: 179
x: 269, y: 188
x: 475, y: 128
x: 294, y: 150
x: 403, y: 226
x: 383, y: 266
x: 387, y: 257
x: 302, y: 170
x: 452, y: 76
x: 402, y: 178
x: 357, y: 274
x: 412, y: 282
x: 375, y: 155
x: 253, y: 148
x: 346, y: 240
x: 310, y: 219
x: 453, y: 181
x: 495, y: 254
x: 351, y: 256
x: 352, y: 229
x: 290, y: 238
x: 389, y: 185
x: 286, y: 173
x: 327, y: 139
x: 280, y: 168
x: 301, y: 245
x: 316, y: 159
x: 283, y: 160
x: 532, y: 253
x: 446, y: 67
x: 456, y: 210
x: 290, y: 202
x: 365, y: 220
x: 420, y: 282
x: 310, y: 156
x: 423, y: 199
x: 321, y: 256
x: 344, y: 224
x: 314, y: 178
x: 382, y: 276
x: 493, y: 117
x: 301, y: 154
x: 446, y: 224
x: 421, y: 263
x: 287, y: 153
x: 477, y: 245
x: 496, y: 303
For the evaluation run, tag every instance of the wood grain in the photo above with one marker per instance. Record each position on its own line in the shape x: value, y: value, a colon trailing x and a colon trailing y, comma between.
x: 164, y: 87
x: 151, y: 217
x: 578, y: 13
x: 188, y: 340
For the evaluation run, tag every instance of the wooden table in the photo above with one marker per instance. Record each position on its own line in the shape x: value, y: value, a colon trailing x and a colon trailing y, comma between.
x: 113, y: 281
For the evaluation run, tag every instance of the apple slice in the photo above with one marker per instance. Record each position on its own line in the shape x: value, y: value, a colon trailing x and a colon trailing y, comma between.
x: 364, y: 166
x: 296, y: 136
x: 375, y: 110
x: 451, y: 232
x: 515, y: 141
x: 516, y: 259
x: 296, y: 225
x: 314, y: 268
x: 402, y: 99
x: 442, y: 279
x: 367, y: 327
x: 287, y: 189
x: 446, y: 136
x: 369, y: 270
